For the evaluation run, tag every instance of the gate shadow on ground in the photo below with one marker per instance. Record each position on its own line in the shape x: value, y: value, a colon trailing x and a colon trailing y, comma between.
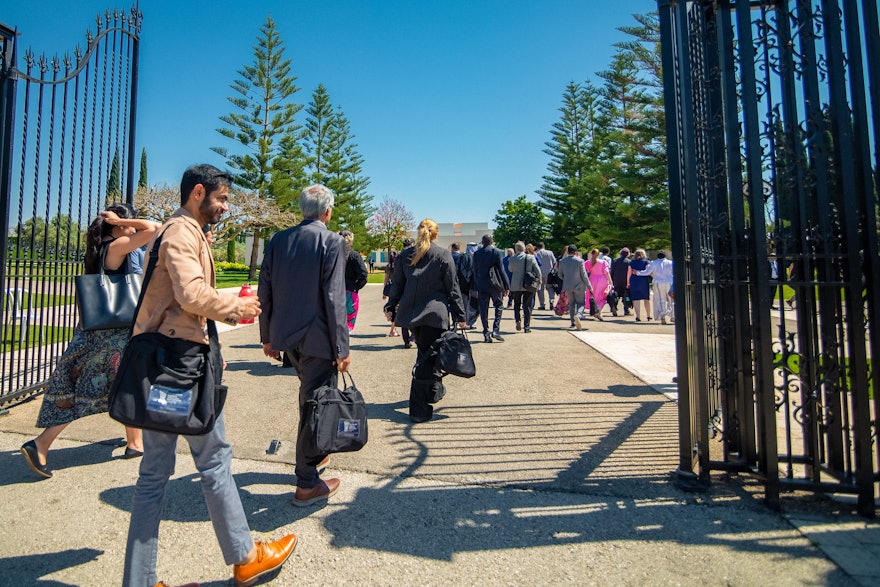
x: 530, y: 475
x: 19, y: 570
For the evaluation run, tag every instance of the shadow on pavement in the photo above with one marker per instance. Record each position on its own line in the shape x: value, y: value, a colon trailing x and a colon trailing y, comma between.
x: 19, y: 570
x: 92, y: 453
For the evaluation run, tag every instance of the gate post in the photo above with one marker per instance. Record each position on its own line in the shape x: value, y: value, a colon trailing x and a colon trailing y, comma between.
x: 8, y: 80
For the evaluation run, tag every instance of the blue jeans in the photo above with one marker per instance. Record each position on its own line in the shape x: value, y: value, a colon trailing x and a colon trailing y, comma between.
x: 213, y: 457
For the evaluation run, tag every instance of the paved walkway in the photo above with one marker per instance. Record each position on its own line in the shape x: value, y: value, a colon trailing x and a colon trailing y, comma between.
x: 550, y: 467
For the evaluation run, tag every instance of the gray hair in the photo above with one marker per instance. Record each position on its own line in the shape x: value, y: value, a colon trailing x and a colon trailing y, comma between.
x: 314, y: 200
x: 519, y: 247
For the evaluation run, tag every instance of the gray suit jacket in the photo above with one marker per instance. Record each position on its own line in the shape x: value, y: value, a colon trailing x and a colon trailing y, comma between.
x: 302, y: 292
x: 573, y: 275
x: 518, y: 265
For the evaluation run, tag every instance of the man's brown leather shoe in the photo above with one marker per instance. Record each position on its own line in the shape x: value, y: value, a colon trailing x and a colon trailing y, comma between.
x: 323, y: 490
x: 270, y: 556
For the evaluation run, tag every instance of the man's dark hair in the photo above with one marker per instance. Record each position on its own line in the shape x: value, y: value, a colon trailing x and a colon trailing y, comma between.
x: 540, y: 245
x: 487, y: 240
x: 455, y: 247
x: 605, y: 250
x: 661, y: 255
x: 572, y: 249
x: 207, y: 175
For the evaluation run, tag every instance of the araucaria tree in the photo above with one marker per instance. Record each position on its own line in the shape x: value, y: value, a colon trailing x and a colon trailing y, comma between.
x: 606, y: 180
x: 573, y: 179
x: 263, y: 124
x: 390, y: 224
x: 332, y: 159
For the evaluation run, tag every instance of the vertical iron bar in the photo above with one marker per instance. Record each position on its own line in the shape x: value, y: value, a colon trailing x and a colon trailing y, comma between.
x: 851, y: 192
x: 670, y: 33
x: 132, y: 120
x: 871, y: 33
x: 742, y: 359
x: 759, y: 273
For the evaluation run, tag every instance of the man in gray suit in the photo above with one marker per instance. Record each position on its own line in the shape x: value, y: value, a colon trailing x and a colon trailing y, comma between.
x: 302, y: 294
x: 575, y: 282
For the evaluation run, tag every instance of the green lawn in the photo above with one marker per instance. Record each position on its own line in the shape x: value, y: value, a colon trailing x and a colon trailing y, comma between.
x: 49, y: 334
x: 41, y: 300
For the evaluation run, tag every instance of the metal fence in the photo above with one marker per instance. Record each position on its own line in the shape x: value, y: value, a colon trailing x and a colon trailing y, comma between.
x: 66, y: 150
x: 773, y: 117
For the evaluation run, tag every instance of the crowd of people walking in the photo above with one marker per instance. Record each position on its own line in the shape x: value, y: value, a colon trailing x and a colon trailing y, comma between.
x: 427, y: 290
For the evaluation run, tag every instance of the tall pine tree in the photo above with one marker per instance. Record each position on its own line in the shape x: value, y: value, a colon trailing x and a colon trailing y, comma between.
x: 570, y: 187
x: 333, y: 159
x: 319, y: 117
x: 263, y: 124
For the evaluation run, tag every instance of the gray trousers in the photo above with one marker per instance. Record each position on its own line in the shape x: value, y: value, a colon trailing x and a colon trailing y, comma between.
x: 213, y: 457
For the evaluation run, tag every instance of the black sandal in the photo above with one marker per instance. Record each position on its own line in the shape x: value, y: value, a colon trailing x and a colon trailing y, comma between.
x: 32, y: 457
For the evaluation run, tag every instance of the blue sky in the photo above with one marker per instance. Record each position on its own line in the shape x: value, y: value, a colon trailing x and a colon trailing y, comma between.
x: 450, y: 102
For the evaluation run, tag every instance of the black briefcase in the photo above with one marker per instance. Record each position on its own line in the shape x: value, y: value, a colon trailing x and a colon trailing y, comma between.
x: 336, y: 419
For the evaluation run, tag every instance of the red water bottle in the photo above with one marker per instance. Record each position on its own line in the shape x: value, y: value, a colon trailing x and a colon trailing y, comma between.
x: 246, y: 292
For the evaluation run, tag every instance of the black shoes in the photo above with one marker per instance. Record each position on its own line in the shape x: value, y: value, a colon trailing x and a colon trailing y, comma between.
x: 487, y: 337
x: 497, y: 336
x: 29, y: 450
x: 519, y: 326
x: 527, y: 330
x: 131, y: 453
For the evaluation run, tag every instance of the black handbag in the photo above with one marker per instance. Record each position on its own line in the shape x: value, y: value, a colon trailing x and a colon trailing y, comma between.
x: 531, y: 281
x: 168, y: 384
x: 335, y: 419
x: 107, y: 301
x: 452, y: 354
x: 613, y: 298
x: 496, y: 281
x: 554, y: 282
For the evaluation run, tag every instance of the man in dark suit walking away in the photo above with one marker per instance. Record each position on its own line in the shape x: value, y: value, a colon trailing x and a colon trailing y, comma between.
x: 302, y: 295
x: 490, y: 280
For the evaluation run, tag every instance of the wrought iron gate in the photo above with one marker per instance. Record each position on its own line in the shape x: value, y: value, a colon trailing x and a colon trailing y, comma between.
x: 773, y: 118
x: 66, y: 149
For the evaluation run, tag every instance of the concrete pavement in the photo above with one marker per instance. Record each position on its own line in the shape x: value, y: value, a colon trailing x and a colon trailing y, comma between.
x: 550, y: 467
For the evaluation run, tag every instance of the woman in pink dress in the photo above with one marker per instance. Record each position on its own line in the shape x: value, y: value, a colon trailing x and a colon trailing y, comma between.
x: 599, y: 271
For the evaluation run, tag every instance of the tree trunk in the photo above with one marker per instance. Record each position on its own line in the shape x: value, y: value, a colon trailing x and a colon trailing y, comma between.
x: 230, y: 251
x: 255, y: 254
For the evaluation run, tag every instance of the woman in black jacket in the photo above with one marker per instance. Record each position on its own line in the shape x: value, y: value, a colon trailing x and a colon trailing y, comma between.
x: 425, y: 290
x: 355, y: 278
